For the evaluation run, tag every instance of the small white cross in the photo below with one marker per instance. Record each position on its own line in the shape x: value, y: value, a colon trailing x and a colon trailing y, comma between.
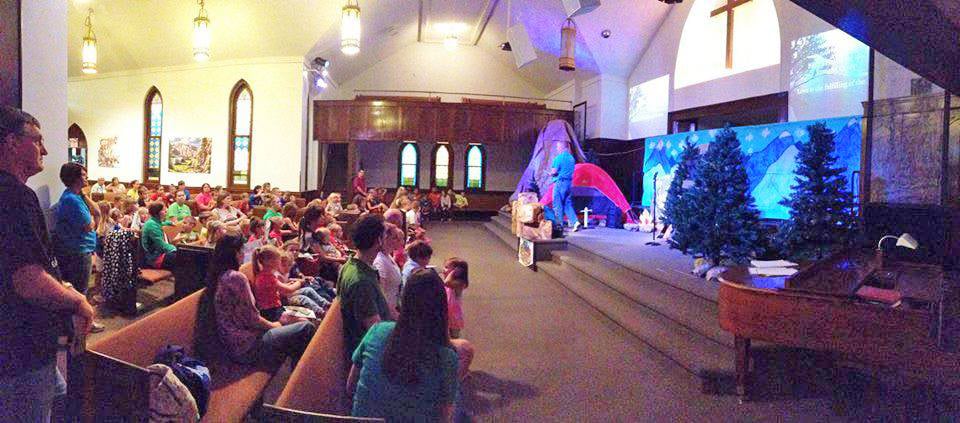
x: 586, y: 216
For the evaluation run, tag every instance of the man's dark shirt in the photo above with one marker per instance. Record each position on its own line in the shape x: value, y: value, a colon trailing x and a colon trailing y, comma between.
x: 28, y: 333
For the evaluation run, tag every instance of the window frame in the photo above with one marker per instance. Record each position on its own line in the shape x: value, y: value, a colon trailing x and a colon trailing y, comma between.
x: 483, y: 168
x: 147, y: 136
x: 238, y: 88
x: 433, y: 165
x: 416, y: 178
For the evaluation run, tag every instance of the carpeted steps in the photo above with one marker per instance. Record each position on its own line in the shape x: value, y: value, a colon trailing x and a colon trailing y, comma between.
x: 675, y: 314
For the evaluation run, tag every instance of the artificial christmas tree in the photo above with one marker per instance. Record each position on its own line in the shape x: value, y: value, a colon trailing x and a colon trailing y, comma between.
x: 679, y: 210
x: 821, y: 208
x: 722, y: 206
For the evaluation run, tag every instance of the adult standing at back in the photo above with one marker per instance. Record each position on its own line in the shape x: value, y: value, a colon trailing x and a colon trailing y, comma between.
x: 32, y: 298
x: 563, y: 166
x: 361, y: 301
x: 74, y: 233
x: 359, y: 184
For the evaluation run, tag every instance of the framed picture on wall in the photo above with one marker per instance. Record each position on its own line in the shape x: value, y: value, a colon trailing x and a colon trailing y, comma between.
x: 10, y: 66
x: 580, y: 121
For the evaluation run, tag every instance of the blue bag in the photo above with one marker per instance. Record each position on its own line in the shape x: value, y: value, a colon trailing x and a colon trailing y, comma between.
x: 193, y: 373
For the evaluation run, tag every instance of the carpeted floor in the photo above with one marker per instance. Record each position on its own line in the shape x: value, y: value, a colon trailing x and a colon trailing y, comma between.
x: 543, y: 354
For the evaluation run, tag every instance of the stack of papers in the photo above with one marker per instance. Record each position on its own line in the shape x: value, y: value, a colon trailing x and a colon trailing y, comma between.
x: 772, y: 268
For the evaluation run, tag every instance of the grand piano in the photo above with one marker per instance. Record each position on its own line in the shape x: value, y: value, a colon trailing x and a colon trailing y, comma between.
x: 818, y: 308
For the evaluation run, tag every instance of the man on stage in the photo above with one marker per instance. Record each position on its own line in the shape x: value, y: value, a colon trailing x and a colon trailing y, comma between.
x: 563, y: 165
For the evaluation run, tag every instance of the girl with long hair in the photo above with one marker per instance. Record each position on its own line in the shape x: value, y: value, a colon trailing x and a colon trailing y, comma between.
x: 407, y: 370
x: 246, y: 336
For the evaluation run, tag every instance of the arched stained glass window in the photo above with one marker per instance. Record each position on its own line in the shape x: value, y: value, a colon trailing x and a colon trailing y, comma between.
x: 153, y: 133
x: 441, y: 166
x: 476, y: 167
x: 241, y: 135
x: 409, y: 164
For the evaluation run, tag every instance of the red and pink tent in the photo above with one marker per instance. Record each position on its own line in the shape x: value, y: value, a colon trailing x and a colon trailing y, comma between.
x: 593, y: 188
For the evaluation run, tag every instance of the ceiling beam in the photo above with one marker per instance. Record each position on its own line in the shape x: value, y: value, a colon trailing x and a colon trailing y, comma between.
x: 420, y: 22
x: 916, y: 35
x: 484, y: 19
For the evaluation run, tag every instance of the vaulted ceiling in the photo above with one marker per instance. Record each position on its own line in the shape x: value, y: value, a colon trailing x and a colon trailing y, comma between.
x: 136, y: 34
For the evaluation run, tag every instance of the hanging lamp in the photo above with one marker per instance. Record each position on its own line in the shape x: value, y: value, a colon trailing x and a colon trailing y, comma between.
x: 201, y: 35
x: 568, y: 43
x: 350, y: 28
x: 88, y: 53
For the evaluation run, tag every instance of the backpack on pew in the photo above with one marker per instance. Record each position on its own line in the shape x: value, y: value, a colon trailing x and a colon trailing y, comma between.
x: 192, y: 372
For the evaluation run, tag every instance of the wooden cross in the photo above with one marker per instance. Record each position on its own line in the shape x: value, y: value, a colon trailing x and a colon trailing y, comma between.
x: 728, y: 8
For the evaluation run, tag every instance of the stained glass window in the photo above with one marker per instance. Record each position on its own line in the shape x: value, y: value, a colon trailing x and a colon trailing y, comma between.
x: 441, y: 166
x: 475, y: 159
x: 154, y: 111
x: 242, y: 132
x: 409, y: 164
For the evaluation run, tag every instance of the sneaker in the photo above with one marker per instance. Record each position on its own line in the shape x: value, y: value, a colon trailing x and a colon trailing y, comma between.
x: 576, y: 226
x: 97, y: 327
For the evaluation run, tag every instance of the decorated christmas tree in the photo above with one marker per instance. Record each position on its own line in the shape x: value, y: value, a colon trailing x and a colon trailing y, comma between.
x: 723, y: 208
x: 678, y: 210
x: 821, y: 217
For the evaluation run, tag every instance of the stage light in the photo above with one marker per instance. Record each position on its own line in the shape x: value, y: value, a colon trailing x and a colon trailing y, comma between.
x: 568, y: 41
x: 88, y: 53
x: 350, y: 28
x: 451, y: 42
x: 201, y: 35
x: 506, y: 47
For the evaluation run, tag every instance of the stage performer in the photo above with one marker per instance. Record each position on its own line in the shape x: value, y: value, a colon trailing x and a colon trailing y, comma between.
x: 563, y: 165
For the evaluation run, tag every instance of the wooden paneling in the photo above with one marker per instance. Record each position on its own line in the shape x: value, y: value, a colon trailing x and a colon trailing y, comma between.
x: 397, y: 120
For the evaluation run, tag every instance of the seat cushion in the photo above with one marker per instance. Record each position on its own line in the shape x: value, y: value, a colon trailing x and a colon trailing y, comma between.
x: 155, y: 275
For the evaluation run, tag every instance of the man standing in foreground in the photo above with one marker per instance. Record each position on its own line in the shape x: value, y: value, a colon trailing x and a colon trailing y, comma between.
x: 33, y: 300
x: 361, y: 300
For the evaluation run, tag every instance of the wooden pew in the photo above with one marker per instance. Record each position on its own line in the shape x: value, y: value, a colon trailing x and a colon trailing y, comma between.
x: 116, y: 382
x: 316, y: 390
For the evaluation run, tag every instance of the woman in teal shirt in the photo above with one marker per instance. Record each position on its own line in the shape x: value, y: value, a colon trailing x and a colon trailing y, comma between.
x: 407, y: 371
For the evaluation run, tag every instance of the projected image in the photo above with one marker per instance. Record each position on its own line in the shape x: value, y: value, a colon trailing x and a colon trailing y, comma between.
x: 828, y: 75
x: 771, y: 158
x: 648, y: 107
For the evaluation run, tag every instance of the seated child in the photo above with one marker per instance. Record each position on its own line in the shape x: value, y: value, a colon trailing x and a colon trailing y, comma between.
x: 318, y: 292
x: 276, y: 230
x: 455, y: 280
x: 266, y: 285
x: 334, y: 207
x: 189, y: 232
x: 256, y: 239
x: 328, y: 251
x: 418, y: 253
x: 336, y: 238
x: 460, y: 200
x: 215, y: 232
x: 139, y: 218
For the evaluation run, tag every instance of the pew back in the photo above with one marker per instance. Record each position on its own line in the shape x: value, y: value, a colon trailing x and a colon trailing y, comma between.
x: 318, y: 384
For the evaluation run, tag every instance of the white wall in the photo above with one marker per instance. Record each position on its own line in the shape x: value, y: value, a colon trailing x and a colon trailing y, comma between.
x: 661, y: 56
x: 44, y: 55
x: 196, y: 104
x: 431, y: 67
x: 606, y: 97
x: 563, y: 96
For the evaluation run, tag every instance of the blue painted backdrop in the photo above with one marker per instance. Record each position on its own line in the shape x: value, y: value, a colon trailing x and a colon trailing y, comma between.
x: 771, y: 156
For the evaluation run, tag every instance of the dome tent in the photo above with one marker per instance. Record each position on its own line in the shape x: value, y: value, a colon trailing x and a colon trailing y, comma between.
x: 593, y: 188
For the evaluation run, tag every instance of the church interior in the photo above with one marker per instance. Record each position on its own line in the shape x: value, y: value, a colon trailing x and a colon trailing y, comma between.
x: 761, y: 198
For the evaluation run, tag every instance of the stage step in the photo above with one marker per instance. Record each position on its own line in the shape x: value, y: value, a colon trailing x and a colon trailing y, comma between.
x: 667, y: 295
x: 501, y: 230
x: 703, y: 357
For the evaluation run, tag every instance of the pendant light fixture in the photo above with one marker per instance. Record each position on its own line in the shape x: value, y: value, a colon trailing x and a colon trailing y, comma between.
x: 350, y: 28
x: 568, y: 42
x: 88, y: 53
x: 201, y: 35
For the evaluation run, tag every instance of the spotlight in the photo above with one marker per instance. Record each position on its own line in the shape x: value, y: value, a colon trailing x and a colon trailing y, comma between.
x: 506, y: 46
x: 606, y: 33
x: 320, y: 62
x: 672, y: 1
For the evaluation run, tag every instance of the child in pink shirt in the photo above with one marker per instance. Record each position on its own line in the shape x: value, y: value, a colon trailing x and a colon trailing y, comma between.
x: 455, y: 279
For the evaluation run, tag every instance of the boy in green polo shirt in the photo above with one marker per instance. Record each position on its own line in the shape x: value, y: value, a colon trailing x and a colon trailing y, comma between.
x: 179, y: 210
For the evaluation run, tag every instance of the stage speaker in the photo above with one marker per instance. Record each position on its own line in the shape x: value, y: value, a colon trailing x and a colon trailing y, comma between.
x: 523, y: 50
x: 579, y: 7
